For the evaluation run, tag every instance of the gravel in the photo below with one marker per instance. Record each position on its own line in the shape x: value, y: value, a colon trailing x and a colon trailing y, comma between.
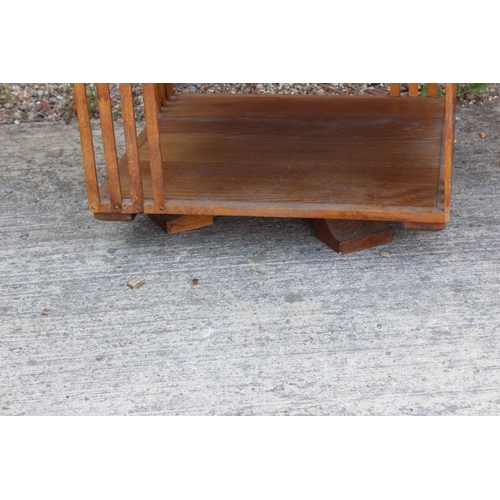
x: 54, y: 102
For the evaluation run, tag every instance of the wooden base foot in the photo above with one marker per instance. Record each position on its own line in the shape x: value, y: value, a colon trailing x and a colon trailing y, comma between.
x: 417, y: 226
x: 346, y: 236
x: 178, y: 223
x: 116, y: 217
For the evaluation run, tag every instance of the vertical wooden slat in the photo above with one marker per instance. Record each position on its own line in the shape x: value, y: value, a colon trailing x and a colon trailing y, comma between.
x: 130, y: 132
x: 109, y: 143
x: 153, y: 132
x: 158, y: 95
x: 87, y: 146
x: 449, y: 139
x: 169, y: 87
x: 413, y: 89
x: 395, y: 89
x: 432, y: 89
x: 164, y: 96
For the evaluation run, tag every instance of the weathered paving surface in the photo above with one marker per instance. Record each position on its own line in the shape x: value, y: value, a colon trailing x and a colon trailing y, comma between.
x: 277, y: 324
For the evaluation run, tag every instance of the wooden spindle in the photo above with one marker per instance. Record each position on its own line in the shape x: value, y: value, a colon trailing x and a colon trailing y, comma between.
x: 167, y: 92
x: 87, y: 146
x: 153, y: 133
x: 395, y: 89
x: 164, y: 95
x: 109, y: 144
x: 432, y: 89
x: 413, y: 89
x: 158, y: 96
x: 130, y: 132
x: 169, y: 87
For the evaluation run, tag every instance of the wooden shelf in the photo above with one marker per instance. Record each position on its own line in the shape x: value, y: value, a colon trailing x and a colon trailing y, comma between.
x: 331, y: 157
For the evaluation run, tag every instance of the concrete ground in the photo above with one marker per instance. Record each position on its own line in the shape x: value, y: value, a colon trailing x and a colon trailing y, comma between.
x: 278, y: 324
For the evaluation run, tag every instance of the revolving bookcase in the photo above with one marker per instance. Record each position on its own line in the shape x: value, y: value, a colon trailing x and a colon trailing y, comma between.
x: 348, y: 165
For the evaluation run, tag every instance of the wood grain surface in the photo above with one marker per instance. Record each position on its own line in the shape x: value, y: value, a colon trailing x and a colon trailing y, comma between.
x: 347, y: 236
x: 153, y: 142
x: 297, y: 156
x: 130, y: 131
x: 87, y: 146
x: 109, y: 143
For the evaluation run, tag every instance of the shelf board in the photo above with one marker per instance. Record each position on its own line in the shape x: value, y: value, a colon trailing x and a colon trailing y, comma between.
x: 342, y: 157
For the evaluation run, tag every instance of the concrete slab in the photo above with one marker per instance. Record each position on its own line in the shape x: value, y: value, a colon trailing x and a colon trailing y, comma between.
x: 278, y: 324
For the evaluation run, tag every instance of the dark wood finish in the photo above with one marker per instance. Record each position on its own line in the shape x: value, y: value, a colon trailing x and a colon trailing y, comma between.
x: 327, y: 158
x: 413, y: 89
x: 346, y: 236
x: 117, y: 217
x: 108, y: 140
x: 415, y: 226
x: 172, y: 224
x: 153, y: 144
x: 188, y: 222
x: 161, y: 98
x: 132, y: 157
x: 241, y: 155
x: 169, y: 88
x: 87, y: 145
x: 312, y: 108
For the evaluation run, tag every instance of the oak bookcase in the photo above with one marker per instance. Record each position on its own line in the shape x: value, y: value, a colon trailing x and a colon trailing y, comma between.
x: 346, y: 164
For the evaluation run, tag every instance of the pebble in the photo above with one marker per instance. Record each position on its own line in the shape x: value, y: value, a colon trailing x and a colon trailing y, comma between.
x: 33, y: 111
x: 482, y: 135
x: 136, y: 282
x: 385, y: 254
x: 23, y: 98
